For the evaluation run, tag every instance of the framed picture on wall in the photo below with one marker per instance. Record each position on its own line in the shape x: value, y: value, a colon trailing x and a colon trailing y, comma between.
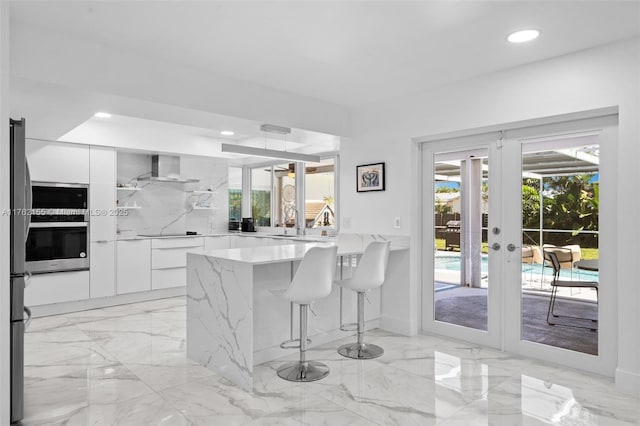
x: 370, y: 177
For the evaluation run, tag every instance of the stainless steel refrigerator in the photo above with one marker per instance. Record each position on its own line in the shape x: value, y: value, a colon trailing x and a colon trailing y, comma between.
x: 20, y: 314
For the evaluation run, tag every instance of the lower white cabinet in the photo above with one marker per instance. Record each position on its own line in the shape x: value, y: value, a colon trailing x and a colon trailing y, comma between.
x: 102, y: 257
x: 133, y: 266
x: 167, y: 278
x: 57, y: 287
x: 169, y: 261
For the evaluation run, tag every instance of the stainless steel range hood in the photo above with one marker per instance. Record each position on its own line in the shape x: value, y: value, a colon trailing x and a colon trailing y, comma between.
x: 166, y: 168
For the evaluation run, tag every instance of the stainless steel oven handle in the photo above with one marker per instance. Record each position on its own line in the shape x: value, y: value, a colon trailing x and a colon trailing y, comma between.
x: 27, y: 321
x: 59, y: 224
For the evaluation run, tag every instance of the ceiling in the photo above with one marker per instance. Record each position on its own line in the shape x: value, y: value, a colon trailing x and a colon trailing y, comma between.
x: 349, y: 53
x: 163, y: 137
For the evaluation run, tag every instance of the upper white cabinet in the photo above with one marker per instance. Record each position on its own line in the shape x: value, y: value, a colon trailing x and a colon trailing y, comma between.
x: 103, y: 165
x: 58, y: 162
x: 102, y: 193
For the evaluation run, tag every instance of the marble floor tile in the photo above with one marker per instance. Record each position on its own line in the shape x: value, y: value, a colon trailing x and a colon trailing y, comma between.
x: 127, y: 365
x: 395, y: 397
x: 61, y: 396
x: 169, y: 374
x: 145, y: 410
x: 49, y: 323
x: 67, y: 346
x: 531, y: 401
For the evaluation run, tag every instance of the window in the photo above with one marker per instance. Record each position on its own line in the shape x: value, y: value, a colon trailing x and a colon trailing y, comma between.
x: 235, y: 193
x: 261, y: 196
x: 320, y: 194
x: 273, y: 195
x: 284, y: 184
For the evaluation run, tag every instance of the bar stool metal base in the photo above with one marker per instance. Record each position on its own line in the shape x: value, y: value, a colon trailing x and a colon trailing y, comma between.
x: 308, y: 371
x: 360, y: 351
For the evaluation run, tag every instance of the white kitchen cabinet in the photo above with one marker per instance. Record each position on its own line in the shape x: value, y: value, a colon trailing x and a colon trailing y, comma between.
x: 167, y: 278
x: 217, y: 243
x: 133, y: 266
x: 102, y: 162
x: 57, y: 287
x: 58, y: 161
x: 169, y: 260
x: 102, y: 193
x: 162, y: 243
x: 102, y: 222
x: 102, y: 256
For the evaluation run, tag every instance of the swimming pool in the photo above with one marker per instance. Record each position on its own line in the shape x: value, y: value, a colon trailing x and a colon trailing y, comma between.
x: 450, y: 261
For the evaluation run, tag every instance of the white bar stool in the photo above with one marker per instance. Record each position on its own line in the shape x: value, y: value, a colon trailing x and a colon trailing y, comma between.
x: 313, y: 281
x: 368, y: 275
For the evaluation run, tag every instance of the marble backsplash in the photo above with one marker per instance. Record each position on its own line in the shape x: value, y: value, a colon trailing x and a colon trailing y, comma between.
x: 172, y: 207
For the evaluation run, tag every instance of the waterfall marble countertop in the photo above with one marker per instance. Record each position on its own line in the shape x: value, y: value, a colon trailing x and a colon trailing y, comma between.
x: 302, y: 238
x: 234, y: 321
x: 286, y: 253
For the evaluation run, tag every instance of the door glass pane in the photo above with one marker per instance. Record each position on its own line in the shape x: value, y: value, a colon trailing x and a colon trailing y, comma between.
x: 319, y: 190
x: 261, y: 196
x: 560, y: 210
x: 461, y: 206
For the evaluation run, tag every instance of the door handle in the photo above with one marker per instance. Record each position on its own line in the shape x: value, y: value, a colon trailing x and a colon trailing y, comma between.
x: 495, y: 246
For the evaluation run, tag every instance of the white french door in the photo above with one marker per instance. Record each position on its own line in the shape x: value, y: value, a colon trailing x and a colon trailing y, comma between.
x: 477, y: 285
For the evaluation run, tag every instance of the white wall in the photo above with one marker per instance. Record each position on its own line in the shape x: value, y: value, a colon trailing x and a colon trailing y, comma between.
x: 84, y: 72
x: 596, y: 78
x: 4, y: 220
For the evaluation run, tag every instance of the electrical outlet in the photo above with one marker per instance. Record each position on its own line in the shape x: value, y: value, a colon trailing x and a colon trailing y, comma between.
x: 396, y: 222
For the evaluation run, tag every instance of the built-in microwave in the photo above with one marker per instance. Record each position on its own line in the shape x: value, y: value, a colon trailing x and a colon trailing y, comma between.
x: 59, y: 228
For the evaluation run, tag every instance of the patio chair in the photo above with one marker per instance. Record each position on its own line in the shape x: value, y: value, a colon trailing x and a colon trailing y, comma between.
x: 552, y: 256
x: 567, y: 255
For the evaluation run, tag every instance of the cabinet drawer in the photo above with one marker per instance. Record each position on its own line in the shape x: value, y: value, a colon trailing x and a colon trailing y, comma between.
x: 167, y: 243
x: 166, y: 278
x: 170, y: 257
x: 57, y: 287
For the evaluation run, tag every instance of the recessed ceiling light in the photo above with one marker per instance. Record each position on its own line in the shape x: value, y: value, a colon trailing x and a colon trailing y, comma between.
x: 102, y: 115
x: 227, y: 133
x: 523, y: 36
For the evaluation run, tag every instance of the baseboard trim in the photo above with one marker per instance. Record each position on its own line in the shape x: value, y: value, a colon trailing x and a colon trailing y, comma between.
x: 399, y: 325
x: 103, y: 302
x: 628, y: 382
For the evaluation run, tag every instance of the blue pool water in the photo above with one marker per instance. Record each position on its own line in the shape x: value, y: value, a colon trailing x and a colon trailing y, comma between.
x: 451, y: 262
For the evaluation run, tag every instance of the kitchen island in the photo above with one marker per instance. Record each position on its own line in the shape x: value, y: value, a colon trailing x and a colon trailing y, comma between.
x: 234, y: 321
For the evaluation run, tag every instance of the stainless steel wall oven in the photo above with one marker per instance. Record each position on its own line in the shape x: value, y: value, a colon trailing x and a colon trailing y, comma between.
x: 59, y: 229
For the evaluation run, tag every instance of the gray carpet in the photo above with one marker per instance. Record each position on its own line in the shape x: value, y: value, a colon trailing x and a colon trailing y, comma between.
x: 471, y: 311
